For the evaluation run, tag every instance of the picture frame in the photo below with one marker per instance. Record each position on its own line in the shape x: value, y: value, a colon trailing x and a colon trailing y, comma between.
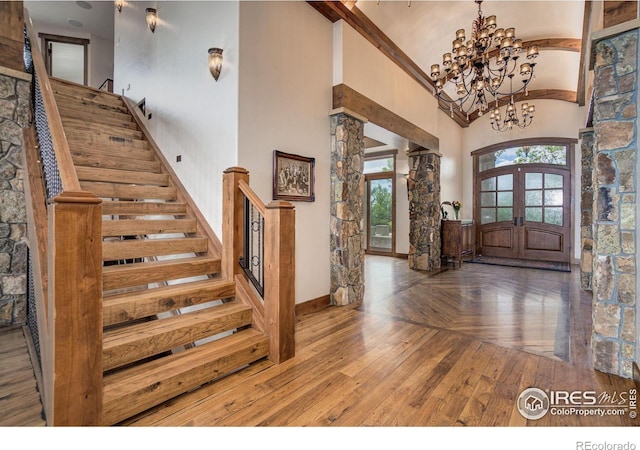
x: 293, y: 177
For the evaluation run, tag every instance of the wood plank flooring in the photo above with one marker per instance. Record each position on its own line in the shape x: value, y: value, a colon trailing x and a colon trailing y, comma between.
x: 449, y: 349
x: 19, y: 398
x: 454, y: 348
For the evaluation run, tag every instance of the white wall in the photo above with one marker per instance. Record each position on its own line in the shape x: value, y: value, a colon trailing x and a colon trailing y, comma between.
x: 553, y: 118
x: 100, y: 59
x: 284, y: 104
x: 367, y: 70
x: 451, y: 164
x: 192, y: 115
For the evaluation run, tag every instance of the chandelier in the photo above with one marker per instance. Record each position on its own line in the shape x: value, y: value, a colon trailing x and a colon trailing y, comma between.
x: 478, y: 68
x: 511, y: 119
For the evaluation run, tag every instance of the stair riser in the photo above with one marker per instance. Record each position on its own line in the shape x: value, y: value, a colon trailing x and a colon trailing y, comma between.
x: 130, y: 275
x: 134, y: 248
x: 92, y: 139
x: 122, y: 176
x: 106, y: 190
x: 146, y: 304
x: 72, y: 127
x: 145, y: 347
x: 111, y: 151
x: 143, y: 209
x: 104, y: 162
x: 146, y: 227
x: 116, y: 410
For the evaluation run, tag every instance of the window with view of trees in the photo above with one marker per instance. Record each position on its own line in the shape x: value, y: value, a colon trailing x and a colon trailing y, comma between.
x: 526, y: 154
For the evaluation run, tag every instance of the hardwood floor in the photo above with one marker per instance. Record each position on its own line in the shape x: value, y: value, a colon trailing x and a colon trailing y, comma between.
x: 449, y: 349
x: 19, y: 399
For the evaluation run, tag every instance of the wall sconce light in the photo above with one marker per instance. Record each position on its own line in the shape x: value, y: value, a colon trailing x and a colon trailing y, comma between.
x: 152, y: 18
x: 215, y: 62
x: 119, y: 4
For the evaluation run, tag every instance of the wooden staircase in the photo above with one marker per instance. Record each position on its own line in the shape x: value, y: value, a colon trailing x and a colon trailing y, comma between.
x: 158, y: 257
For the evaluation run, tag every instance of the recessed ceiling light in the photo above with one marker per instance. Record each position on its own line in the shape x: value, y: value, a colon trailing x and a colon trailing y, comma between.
x: 85, y: 5
x: 75, y: 23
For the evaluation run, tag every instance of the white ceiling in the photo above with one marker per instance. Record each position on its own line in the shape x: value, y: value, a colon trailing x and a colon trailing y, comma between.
x: 426, y: 29
x: 97, y: 21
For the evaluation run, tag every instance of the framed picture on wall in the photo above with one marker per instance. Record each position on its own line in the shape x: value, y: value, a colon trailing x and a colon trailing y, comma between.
x: 293, y: 177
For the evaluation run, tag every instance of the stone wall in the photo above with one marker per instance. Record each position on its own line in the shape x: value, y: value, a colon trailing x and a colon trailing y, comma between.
x: 424, y: 210
x: 346, y: 222
x: 586, y: 209
x: 14, y: 115
x: 615, y: 203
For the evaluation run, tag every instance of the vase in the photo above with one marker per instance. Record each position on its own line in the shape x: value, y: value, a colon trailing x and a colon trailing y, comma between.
x: 456, y: 214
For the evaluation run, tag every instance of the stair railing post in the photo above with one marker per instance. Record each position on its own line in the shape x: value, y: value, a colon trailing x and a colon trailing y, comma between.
x: 75, y: 286
x: 279, y: 283
x: 232, y: 221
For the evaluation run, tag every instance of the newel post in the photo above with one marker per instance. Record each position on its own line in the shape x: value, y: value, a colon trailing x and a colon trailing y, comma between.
x: 75, y: 285
x: 232, y: 220
x: 279, y: 282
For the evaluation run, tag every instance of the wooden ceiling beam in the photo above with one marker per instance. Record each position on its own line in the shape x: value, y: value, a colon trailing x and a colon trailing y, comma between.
x: 540, y: 94
x: 584, y: 52
x: 349, y: 12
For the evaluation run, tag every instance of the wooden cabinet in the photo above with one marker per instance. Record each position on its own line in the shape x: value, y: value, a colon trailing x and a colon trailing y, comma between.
x: 457, y: 239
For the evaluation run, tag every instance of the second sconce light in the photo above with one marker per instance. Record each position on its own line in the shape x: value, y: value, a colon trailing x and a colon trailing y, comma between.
x: 215, y: 62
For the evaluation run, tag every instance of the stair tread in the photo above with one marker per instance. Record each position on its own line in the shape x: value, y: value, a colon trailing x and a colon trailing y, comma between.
x: 128, y: 191
x: 136, y: 389
x: 97, y: 161
x: 127, y: 344
x: 135, y: 305
x: 111, y: 150
x: 92, y: 103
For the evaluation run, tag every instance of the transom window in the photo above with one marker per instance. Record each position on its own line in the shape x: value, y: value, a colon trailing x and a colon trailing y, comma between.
x: 526, y: 154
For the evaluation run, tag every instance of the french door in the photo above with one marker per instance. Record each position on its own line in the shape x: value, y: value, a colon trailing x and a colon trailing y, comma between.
x: 379, y: 213
x: 524, y: 212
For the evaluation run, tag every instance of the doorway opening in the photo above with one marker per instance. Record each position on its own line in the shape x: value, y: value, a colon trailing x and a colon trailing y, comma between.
x: 66, y: 57
x: 522, y: 199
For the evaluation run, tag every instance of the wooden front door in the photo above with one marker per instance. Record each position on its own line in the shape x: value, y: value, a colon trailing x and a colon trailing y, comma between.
x: 523, y: 210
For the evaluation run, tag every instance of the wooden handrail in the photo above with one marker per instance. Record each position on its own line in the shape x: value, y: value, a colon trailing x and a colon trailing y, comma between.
x: 253, y: 198
x: 67, y: 170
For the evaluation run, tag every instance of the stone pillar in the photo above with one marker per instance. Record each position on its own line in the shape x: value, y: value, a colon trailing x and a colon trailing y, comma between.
x: 14, y: 115
x: 346, y: 222
x: 615, y: 203
x: 586, y: 209
x: 424, y: 209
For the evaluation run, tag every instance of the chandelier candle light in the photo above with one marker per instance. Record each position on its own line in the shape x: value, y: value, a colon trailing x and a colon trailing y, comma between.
x: 479, y: 67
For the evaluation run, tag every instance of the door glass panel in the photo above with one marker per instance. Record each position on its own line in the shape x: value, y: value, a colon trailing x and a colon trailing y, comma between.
x: 533, y: 198
x: 67, y: 61
x: 505, y: 182
x: 488, y: 199
x: 487, y: 215
x: 553, y: 216
x: 488, y: 184
x: 553, y: 197
x: 527, y: 154
x: 505, y: 198
x: 380, y: 213
x: 505, y: 214
x: 553, y: 181
x: 533, y: 181
x: 533, y: 214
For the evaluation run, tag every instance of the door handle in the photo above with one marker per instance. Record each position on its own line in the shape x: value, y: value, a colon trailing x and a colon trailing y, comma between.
x: 521, y: 221
x: 515, y: 221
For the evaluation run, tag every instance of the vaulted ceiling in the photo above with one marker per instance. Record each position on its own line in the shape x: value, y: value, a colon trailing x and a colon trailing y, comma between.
x: 415, y: 35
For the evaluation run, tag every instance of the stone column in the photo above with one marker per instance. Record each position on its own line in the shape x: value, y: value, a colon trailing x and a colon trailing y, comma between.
x: 14, y: 115
x: 346, y: 222
x: 424, y: 209
x: 586, y: 209
x: 615, y: 203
